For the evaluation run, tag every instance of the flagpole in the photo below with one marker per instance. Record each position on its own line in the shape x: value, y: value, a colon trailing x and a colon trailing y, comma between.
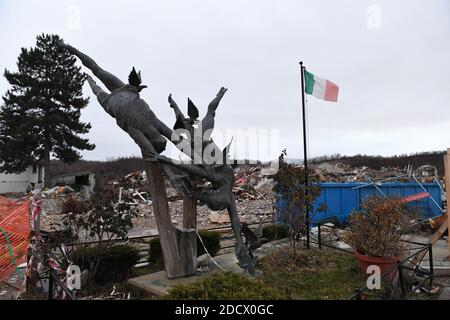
x: 305, y: 155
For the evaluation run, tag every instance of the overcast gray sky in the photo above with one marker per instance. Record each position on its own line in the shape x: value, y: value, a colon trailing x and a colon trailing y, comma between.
x: 391, y: 60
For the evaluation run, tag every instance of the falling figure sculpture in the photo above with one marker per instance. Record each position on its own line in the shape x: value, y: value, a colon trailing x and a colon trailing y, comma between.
x: 135, y: 117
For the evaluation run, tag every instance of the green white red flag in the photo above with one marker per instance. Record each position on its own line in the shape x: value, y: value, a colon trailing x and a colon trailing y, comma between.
x: 320, y: 88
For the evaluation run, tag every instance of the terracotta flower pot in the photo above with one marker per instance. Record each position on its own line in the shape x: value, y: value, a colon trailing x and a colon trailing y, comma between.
x: 384, y: 263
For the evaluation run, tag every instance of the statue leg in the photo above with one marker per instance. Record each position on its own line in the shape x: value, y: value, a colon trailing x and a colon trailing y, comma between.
x: 208, y: 124
x: 108, y: 79
x: 246, y: 261
x: 208, y: 120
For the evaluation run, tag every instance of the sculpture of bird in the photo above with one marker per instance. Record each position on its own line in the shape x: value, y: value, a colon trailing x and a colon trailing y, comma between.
x: 192, y: 110
x: 135, y: 80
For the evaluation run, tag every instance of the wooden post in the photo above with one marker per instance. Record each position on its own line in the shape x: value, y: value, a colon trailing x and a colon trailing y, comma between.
x: 189, y: 213
x: 35, y: 222
x: 447, y: 190
x: 179, y: 246
x: 190, y: 221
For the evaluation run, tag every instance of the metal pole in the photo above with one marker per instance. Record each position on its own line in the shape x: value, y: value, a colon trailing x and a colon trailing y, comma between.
x: 305, y: 157
x: 400, y: 278
x: 50, y: 285
x: 430, y: 259
x: 423, y: 188
x: 319, y: 234
x: 376, y: 187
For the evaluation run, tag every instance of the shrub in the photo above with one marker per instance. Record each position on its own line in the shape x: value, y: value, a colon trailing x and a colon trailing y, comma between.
x: 223, y: 286
x: 114, y: 263
x: 155, y: 255
x: 377, y: 229
x: 275, y: 231
x: 74, y: 206
x: 211, y: 239
x: 290, y: 185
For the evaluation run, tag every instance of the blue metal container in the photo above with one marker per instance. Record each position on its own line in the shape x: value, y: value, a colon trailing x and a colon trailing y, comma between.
x: 343, y: 198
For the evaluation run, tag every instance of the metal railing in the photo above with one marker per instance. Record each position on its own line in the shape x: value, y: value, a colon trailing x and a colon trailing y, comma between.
x: 405, y: 268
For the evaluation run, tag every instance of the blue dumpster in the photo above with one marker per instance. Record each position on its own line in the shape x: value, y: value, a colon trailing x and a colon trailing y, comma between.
x: 343, y: 198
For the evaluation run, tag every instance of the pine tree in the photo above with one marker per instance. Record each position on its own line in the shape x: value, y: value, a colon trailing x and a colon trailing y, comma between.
x: 41, y: 115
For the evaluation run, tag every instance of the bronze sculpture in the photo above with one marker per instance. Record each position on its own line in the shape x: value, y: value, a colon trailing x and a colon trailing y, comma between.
x: 135, y: 117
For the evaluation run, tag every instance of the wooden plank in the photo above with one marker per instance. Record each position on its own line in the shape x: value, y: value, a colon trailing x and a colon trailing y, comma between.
x: 434, y: 238
x: 179, y: 246
x: 189, y: 213
x: 439, y: 232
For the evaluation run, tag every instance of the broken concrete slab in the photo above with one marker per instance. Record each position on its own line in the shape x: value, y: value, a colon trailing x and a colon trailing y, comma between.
x: 224, y: 218
x: 214, y: 217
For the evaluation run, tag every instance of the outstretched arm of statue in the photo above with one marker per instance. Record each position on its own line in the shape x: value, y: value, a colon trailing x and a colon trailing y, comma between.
x: 109, y: 80
x: 208, y: 120
x: 246, y: 261
x: 102, y: 95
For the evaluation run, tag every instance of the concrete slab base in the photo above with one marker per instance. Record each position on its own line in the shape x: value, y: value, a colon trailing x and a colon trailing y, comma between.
x: 158, y: 284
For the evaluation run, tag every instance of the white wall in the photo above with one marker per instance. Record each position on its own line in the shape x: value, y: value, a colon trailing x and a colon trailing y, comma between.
x: 70, y: 179
x: 10, y: 183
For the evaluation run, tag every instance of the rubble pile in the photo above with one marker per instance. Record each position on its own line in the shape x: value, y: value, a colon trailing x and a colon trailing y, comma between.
x: 339, y: 172
x: 252, y: 182
x: 253, y: 189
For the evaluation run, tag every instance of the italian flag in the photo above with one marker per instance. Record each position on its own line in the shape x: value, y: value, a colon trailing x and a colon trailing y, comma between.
x: 320, y: 88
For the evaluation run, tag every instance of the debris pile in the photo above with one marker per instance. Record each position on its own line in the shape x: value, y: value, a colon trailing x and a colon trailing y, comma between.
x: 339, y: 172
x: 253, y: 190
x: 427, y: 173
x: 252, y: 182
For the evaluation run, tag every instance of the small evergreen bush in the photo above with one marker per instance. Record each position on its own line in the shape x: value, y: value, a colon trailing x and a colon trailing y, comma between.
x: 275, y: 231
x: 114, y: 263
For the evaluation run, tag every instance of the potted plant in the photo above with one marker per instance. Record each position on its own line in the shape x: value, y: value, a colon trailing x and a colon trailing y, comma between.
x: 375, y: 231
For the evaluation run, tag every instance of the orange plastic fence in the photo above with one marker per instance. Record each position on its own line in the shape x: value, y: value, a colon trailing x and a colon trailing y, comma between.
x: 14, y: 219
